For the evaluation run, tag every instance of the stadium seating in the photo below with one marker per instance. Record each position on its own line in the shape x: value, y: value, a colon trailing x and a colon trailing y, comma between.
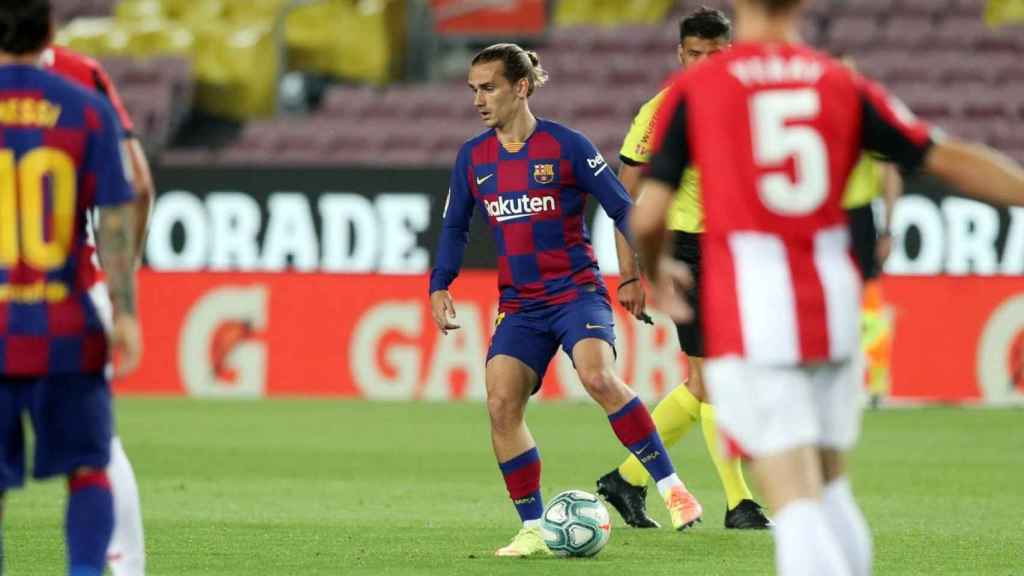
x: 604, y: 63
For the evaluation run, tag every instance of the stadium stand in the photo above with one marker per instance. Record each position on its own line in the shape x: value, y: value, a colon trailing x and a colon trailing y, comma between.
x: 938, y: 55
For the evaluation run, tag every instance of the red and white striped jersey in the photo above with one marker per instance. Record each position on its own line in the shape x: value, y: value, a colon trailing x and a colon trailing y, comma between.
x: 775, y: 131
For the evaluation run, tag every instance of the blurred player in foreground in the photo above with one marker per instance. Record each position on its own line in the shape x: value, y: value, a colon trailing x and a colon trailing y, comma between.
x: 775, y: 129
x: 529, y: 178
x: 702, y: 33
x: 60, y: 159
x: 127, y: 555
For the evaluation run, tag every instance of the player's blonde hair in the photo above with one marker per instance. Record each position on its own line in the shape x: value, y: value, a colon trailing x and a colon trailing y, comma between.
x: 518, y: 63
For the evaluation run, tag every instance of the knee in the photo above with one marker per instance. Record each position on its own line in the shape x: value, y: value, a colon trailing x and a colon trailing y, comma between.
x: 505, y: 410
x: 600, y: 383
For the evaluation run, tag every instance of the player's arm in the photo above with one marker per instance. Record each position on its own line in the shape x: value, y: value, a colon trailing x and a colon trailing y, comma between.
x: 115, y: 237
x: 669, y: 161
x: 977, y: 171
x: 973, y: 169
x: 631, y: 291
x: 595, y: 177
x: 892, y: 189
x: 142, y: 176
x: 145, y: 193
x: 458, y: 212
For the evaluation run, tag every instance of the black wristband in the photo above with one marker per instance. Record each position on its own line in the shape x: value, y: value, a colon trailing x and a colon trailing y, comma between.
x: 629, y: 281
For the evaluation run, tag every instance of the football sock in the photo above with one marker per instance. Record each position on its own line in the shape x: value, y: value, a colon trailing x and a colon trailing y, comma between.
x: 635, y: 429
x: 730, y: 470
x: 89, y: 523
x: 804, y: 543
x: 522, y: 478
x: 127, y: 553
x: 849, y: 526
x: 673, y: 417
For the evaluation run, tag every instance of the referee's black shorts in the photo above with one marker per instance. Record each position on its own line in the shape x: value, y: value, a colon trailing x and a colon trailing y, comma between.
x: 864, y: 239
x: 686, y: 248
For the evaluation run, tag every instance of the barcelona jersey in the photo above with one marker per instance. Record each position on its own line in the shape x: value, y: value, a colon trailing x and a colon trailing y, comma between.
x: 59, y: 158
x: 533, y: 200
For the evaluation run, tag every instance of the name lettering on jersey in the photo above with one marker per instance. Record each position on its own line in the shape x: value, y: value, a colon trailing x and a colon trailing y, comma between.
x: 544, y: 173
x: 29, y: 112
x: 522, y: 206
x: 52, y: 292
x: 598, y: 163
x: 775, y: 69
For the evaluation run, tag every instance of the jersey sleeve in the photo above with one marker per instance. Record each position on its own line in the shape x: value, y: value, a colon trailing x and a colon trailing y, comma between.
x: 890, y: 129
x: 106, y: 87
x: 671, y: 150
x: 594, y: 177
x: 635, y: 149
x: 458, y: 212
x: 104, y: 159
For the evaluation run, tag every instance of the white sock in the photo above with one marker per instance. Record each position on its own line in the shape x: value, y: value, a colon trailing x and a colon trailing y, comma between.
x: 849, y: 526
x: 126, y: 554
x: 531, y: 523
x: 666, y: 484
x: 804, y: 543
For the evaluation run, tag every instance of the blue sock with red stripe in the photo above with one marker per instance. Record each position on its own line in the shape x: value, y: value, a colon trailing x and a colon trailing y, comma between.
x: 635, y: 429
x: 89, y: 523
x: 522, y: 478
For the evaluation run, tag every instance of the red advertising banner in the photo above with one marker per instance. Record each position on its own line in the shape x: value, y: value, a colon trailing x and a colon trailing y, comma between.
x: 490, y: 17
x: 372, y: 336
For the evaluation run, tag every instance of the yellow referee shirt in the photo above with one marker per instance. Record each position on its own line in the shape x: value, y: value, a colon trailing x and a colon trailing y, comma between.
x: 864, y: 183
x: 687, y: 210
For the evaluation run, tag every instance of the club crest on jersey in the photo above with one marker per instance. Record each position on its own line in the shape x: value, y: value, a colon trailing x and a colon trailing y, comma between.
x: 544, y: 173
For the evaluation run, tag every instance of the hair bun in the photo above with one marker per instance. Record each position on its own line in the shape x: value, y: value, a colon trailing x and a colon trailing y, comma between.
x: 534, y: 59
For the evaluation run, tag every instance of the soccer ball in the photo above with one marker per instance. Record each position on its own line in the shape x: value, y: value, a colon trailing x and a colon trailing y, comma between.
x: 576, y: 523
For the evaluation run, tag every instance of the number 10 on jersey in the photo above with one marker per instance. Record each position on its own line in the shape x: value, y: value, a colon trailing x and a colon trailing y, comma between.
x: 23, y: 207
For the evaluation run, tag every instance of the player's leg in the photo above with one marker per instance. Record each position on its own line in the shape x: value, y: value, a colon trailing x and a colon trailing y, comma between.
x: 586, y: 330
x: 126, y: 555
x: 770, y: 415
x: 742, y: 512
x: 519, y: 354
x: 840, y: 398
x: 13, y: 395
x: 72, y: 419
x: 625, y: 488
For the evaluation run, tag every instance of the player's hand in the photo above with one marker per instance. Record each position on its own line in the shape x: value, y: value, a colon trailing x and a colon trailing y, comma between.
x: 669, y: 291
x: 126, y: 344
x: 443, y: 309
x: 632, y: 298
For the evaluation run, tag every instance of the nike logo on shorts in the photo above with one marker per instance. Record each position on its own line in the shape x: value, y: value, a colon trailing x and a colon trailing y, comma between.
x: 594, y: 326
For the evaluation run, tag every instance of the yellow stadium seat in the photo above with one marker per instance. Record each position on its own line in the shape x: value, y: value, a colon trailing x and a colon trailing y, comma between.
x: 139, y: 10
x: 196, y: 12
x: 93, y: 36
x: 359, y: 41
x: 160, y: 37
x: 236, y: 67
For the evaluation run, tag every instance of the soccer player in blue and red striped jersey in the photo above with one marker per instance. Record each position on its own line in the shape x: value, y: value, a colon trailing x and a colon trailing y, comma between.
x: 530, y: 178
x: 60, y: 158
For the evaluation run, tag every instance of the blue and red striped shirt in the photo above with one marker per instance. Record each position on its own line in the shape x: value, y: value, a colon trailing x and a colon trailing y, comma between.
x: 533, y: 200
x: 59, y: 157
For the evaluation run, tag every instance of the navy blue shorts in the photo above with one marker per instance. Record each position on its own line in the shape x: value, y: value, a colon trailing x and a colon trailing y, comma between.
x: 533, y: 337
x: 71, y: 418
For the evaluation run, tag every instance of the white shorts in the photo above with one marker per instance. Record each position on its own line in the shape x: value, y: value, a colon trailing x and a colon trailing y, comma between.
x: 764, y: 410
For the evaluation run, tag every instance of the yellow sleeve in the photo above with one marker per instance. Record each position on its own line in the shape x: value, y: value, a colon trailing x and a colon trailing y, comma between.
x: 636, y: 148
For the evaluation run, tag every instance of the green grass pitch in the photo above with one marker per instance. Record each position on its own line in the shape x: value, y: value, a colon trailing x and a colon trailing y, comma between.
x: 309, y: 487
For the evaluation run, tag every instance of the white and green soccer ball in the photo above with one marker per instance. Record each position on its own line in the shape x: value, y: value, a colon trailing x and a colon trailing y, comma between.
x: 576, y: 523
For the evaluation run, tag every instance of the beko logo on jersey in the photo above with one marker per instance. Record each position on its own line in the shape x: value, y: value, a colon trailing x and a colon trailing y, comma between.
x: 522, y: 206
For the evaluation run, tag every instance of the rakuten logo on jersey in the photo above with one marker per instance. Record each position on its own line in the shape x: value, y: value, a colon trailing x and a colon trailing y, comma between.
x: 522, y: 206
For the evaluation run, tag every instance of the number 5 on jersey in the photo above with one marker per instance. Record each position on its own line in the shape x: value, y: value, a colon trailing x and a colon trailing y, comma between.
x: 22, y: 194
x: 777, y: 138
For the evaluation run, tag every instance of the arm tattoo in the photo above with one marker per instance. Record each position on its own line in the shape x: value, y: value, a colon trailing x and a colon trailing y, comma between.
x: 115, y: 243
